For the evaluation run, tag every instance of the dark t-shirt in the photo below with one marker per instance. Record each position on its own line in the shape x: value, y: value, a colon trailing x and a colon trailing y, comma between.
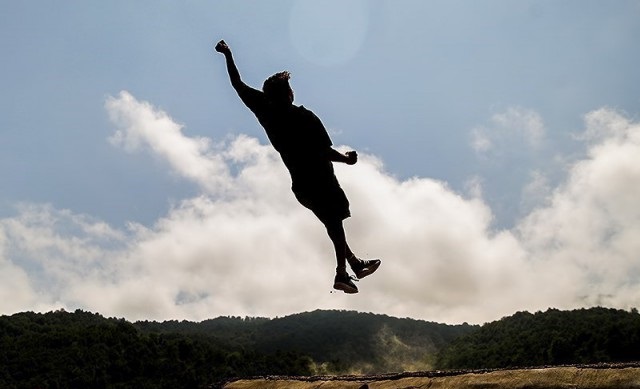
x: 298, y: 135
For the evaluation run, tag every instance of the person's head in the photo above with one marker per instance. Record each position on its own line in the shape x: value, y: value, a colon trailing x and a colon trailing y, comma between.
x: 277, y: 88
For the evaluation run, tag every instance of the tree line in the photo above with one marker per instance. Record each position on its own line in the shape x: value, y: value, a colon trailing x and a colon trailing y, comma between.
x: 86, y: 350
x: 553, y: 337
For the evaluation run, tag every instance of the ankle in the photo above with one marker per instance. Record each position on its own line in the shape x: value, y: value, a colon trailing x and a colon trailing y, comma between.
x: 352, y: 259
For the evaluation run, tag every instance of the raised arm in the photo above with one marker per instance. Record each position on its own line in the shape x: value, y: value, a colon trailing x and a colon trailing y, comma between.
x: 234, y: 75
x: 252, y: 98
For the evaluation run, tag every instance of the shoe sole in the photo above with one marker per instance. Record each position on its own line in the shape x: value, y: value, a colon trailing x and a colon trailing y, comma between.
x: 368, y: 271
x: 345, y: 288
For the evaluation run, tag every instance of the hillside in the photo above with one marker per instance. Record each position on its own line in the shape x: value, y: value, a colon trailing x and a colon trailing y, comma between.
x: 82, y: 349
x: 548, y: 338
x: 336, y: 341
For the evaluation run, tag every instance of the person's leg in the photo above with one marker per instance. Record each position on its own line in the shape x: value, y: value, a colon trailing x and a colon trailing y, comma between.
x: 337, y: 236
x: 351, y: 257
x: 343, y: 281
x: 361, y: 268
x: 344, y: 254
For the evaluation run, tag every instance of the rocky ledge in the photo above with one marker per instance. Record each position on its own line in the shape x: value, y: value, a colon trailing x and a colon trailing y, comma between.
x: 599, y: 376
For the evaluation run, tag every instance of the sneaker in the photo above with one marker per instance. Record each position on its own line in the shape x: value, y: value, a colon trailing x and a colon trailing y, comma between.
x: 344, y: 282
x: 363, y: 268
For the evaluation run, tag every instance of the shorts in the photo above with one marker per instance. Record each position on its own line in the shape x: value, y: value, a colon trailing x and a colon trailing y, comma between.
x: 328, y: 202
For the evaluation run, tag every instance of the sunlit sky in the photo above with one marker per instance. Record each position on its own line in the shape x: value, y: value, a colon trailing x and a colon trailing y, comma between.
x: 499, y: 144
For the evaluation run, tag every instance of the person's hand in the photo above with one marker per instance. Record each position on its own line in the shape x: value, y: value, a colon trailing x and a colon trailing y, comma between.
x: 352, y: 157
x: 222, y: 47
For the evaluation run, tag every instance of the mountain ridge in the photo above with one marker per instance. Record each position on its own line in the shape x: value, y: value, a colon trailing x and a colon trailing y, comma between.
x: 83, y: 349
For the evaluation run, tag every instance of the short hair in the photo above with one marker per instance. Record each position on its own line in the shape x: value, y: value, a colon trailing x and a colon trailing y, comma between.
x: 277, y: 87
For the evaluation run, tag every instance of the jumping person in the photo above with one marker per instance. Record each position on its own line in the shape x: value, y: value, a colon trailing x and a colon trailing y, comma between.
x: 307, y: 152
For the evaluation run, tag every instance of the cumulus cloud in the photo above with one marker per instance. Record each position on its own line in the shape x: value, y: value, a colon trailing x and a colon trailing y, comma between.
x: 45, y: 251
x: 141, y: 126
x: 589, y: 231
x: 252, y: 250
x: 16, y: 291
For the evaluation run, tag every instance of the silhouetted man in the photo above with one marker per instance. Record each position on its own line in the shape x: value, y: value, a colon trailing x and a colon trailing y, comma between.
x: 307, y: 152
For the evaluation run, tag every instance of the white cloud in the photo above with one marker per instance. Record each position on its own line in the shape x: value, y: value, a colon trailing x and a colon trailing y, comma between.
x: 473, y: 186
x: 480, y: 141
x: 508, y: 129
x: 15, y: 290
x: 141, y: 126
x: 590, y: 229
x: 252, y: 250
x: 536, y: 191
x: 521, y: 120
x: 47, y: 251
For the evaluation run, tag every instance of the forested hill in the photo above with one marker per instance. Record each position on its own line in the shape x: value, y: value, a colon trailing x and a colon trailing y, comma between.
x: 86, y: 350
x: 337, y: 341
x: 548, y: 338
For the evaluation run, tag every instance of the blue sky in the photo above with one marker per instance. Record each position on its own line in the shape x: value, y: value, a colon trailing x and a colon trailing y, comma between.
x: 497, y: 106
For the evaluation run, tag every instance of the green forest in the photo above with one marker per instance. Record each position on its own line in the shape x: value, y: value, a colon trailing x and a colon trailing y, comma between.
x: 86, y: 350
x: 553, y: 337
